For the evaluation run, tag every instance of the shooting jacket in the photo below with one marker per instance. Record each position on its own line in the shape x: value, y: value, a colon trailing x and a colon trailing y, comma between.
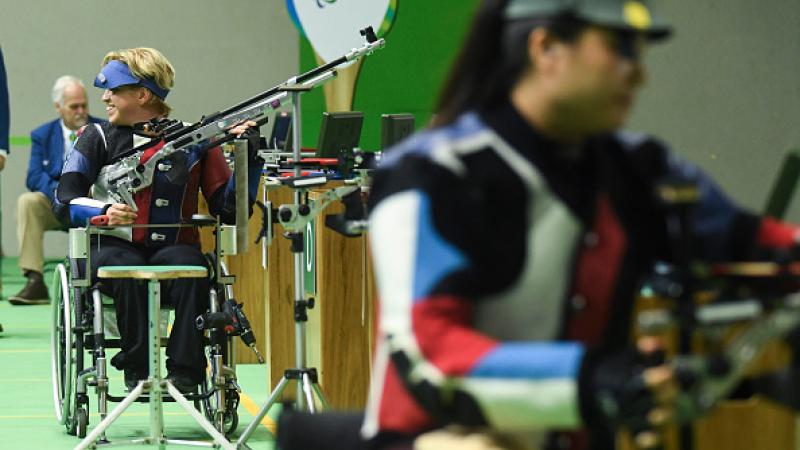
x: 171, y: 198
x: 506, y: 261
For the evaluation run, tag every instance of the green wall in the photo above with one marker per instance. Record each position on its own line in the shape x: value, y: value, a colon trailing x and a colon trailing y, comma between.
x: 403, y: 77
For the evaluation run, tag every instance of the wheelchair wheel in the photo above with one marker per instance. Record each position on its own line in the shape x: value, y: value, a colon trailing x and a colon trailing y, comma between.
x: 230, y: 417
x: 81, y: 422
x: 62, y: 348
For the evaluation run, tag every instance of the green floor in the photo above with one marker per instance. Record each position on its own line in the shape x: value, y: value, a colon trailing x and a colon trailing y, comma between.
x: 27, y: 419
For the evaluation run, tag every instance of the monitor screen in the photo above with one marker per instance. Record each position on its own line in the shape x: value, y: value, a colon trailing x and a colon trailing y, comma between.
x: 339, y: 131
x: 281, y: 136
x: 395, y: 128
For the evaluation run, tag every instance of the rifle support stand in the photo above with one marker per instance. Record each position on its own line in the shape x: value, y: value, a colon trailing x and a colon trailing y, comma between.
x: 304, y: 377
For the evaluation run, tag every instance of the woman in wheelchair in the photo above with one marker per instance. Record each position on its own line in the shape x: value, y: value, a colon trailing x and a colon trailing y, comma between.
x: 135, y: 83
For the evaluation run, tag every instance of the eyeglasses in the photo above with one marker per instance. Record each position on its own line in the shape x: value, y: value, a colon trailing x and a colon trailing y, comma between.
x: 628, y: 44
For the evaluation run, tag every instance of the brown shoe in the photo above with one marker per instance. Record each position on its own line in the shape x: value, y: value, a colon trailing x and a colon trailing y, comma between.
x: 34, y: 292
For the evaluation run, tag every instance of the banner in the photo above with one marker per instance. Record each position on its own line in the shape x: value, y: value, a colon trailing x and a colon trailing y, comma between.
x: 331, y: 26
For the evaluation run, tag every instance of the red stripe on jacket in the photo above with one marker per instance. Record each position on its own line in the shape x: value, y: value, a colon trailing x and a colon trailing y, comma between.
x: 143, y: 198
x: 596, y: 276
x: 439, y: 324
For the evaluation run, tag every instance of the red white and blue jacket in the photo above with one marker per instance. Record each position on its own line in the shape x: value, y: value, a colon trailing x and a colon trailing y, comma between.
x: 173, y: 195
x: 504, y: 259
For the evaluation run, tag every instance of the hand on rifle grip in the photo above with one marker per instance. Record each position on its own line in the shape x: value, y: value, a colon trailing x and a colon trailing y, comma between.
x: 239, y: 129
x: 661, y: 380
x: 636, y: 390
x: 120, y: 214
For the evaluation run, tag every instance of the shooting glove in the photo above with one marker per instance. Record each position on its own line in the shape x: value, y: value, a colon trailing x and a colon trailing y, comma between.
x: 613, y: 391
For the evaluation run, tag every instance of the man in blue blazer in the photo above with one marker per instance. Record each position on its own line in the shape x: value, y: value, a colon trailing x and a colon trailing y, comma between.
x: 4, y: 115
x: 52, y: 143
x: 4, y: 119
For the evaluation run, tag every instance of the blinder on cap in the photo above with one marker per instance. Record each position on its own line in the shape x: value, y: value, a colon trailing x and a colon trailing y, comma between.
x: 116, y: 73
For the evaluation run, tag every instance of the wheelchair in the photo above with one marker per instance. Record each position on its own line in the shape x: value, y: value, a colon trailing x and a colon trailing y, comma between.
x: 83, y: 320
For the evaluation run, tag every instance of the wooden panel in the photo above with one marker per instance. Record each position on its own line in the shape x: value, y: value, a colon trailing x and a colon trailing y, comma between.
x: 280, y: 347
x: 372, y: 294
x: 345, y: 315
x: 206, y: 233
x: 249, y: 289
x: 746, y: 425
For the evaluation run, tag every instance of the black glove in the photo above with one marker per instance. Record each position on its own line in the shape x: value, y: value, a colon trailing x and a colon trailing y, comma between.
x: 613, y: 392
x: 253, y: 135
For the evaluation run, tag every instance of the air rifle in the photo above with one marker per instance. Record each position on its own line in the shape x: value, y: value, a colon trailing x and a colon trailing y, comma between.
x: 121, y: 180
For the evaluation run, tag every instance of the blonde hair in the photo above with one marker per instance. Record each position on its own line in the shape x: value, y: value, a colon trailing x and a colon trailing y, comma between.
x: 149, y: 63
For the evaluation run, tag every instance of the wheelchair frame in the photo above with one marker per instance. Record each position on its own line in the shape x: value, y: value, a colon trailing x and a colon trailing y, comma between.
x: 78, y: 328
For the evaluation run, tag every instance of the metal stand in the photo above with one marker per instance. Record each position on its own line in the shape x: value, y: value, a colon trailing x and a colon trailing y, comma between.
x: 305, y: 377
x: 154, y: 386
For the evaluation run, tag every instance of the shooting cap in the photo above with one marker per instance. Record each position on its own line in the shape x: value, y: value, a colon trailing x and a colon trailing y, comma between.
x: 629, y: 15
x: 116, y: 73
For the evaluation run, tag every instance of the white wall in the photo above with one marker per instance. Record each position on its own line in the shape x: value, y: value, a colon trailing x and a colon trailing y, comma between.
x: 725, y: 92
x: 223, y: 52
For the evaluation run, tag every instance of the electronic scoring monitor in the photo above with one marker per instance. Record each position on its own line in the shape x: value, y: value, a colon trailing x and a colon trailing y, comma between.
x: 339, y: 131
x: 395, y: 128
x: 281, y: 137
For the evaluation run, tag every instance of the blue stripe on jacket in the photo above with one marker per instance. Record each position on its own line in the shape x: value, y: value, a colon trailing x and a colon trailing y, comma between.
x: 435, y: 257
x: 531, y: 360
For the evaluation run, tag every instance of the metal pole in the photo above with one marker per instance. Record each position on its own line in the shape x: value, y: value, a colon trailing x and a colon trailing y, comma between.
x: 240, y: 170
x: 299, y: 273
x: 156, y: 408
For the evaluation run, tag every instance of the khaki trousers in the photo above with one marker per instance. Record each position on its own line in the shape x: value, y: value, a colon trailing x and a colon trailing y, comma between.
x: 34, y: 217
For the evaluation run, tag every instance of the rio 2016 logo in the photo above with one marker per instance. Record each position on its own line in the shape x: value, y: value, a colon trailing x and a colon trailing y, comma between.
x: 321, y: 3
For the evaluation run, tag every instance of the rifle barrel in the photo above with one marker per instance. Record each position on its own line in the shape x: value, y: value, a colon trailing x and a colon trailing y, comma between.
x: 274, y: 90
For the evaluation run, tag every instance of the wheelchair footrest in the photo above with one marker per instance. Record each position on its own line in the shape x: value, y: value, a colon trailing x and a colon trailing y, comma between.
x: 88, y: 343
x: 166, y: 398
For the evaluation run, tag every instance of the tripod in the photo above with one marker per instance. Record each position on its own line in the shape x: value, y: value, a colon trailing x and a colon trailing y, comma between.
x: 305, y: 378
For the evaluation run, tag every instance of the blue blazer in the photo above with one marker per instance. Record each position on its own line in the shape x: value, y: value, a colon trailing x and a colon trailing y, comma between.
x: 47, y: 157
x: 4, y: 112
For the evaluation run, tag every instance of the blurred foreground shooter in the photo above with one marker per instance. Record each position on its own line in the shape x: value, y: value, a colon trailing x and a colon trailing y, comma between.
x: 509, y: 240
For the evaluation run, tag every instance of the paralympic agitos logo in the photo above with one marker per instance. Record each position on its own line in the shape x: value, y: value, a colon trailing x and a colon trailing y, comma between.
x: 321, y: 3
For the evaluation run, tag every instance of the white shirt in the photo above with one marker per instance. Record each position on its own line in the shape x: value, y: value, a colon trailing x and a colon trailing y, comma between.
x: 67, y: 142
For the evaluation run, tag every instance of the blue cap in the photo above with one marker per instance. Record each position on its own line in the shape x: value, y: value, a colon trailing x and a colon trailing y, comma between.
x: 116, y: 73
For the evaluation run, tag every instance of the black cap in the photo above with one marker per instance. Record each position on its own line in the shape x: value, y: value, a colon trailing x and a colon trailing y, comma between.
x: 633, y: 15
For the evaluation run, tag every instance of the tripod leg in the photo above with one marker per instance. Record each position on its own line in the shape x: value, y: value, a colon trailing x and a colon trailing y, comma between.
x: 257, y: 419
x: 219, y: 438
x: 306, y: 384
x: 89, y: 441
x: 321, y: 397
